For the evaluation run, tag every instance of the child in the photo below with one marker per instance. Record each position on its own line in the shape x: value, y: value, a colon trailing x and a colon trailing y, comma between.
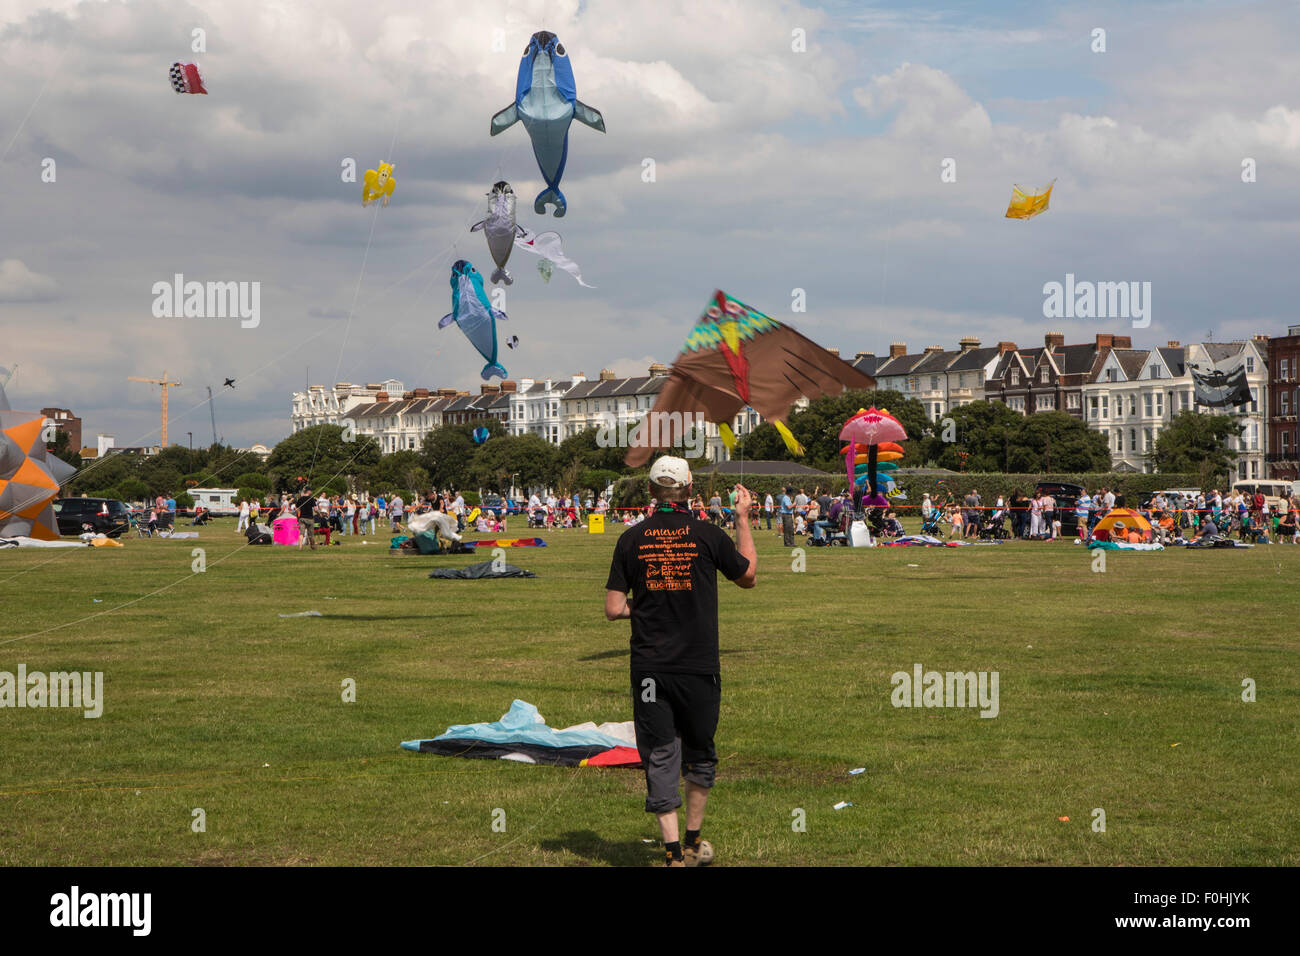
x: 954, y: 515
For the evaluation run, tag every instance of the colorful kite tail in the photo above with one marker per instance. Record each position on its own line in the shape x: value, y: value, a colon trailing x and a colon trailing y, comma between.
x: 493, y: 368
x: 551, y: 195
x: 500, y: 275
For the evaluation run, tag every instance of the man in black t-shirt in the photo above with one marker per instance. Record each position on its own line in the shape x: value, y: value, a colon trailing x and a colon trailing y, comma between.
x: 669, y: 564
x: 306, y: 507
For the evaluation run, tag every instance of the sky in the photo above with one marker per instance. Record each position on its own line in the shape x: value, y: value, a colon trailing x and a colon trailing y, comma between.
x: 794, y: 147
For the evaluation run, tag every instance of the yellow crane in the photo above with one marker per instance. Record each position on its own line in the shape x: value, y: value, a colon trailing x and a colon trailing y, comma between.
x: 165, y: 385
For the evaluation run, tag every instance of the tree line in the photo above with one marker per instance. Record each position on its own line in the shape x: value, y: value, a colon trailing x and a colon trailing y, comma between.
x: 979, y: 437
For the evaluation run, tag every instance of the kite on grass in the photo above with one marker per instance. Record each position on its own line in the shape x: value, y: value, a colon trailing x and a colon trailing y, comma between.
x: 737, y: 357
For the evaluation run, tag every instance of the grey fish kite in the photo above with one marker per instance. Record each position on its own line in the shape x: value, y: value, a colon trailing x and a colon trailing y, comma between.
x: 500, y: 228
x: 546, y: 99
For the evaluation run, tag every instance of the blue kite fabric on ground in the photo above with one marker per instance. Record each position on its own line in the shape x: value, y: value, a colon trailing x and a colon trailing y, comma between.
x: 926, y: 541
x: 1123, y: 546
x: 522, y: 735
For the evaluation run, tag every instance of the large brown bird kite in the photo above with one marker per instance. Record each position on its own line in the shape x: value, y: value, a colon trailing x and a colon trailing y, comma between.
x: 737, y: 357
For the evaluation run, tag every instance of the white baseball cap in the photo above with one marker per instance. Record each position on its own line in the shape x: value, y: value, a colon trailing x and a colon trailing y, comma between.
x: 670, y: 472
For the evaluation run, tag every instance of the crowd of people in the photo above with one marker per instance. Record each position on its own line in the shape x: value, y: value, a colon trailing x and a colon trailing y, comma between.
x: 1036, y: 516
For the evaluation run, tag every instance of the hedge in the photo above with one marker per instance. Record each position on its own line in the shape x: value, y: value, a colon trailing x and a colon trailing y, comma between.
x: 634, y: 490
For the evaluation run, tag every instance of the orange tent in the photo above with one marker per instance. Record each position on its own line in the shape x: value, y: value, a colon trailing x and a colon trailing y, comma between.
x: 1128, y: 518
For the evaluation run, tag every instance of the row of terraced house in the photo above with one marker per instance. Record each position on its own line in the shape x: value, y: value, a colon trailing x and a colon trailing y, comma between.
x: 1128, y: 394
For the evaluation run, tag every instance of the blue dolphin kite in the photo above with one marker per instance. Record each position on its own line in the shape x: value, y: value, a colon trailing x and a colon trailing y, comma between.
x: 546, y: 99
x: 471, y: 311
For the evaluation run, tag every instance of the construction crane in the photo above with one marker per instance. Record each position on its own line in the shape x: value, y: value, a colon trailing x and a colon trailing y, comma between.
x: 165, y: 385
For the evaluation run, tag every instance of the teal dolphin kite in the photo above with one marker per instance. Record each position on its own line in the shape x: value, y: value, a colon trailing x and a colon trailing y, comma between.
x: 546, y: 99
x: 472, y: 312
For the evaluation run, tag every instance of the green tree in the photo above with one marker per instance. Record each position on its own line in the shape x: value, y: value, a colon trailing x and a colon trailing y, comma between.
x: 530, y: 457
x: 990, y: 437
x: 62, y: 449
x: 319, y: 454
x: 104, y: 473
x: 133, y: 489
x: 586, y: 448
x: 1198, y: 443
x: 817, y: 428
x: 401, y: 469
x: 446, y: 455
x: 255, y: 481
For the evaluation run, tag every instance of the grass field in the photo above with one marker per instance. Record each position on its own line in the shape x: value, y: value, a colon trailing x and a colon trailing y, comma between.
x: 1119, y: 690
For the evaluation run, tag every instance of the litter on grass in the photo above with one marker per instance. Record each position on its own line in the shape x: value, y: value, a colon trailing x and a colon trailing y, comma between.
x: 842, y: 804
x: 304, y: 614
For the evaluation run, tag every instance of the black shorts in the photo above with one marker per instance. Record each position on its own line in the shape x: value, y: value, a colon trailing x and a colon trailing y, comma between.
x: 676, y: 705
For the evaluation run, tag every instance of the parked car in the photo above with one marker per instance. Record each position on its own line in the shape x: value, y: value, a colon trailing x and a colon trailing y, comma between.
x: 498, y: 504
x: 1066, y: 496
x: 76, y: 516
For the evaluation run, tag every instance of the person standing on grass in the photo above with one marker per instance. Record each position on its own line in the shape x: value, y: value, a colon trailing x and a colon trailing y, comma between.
x: 787, y: 517
x: 768, y: 505
x: 668, y: 565
x: 305, y: 507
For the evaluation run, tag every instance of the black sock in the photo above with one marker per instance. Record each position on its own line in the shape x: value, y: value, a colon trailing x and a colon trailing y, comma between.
x: 674, y: 850
x: 692, y: 837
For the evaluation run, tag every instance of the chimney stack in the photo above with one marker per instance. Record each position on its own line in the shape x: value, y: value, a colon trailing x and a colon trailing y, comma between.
x: 489, y: 389
x: 1173, y: 344
x: 510, y: 386
x: 1054, y: 340
x: 657, y: 369
x: 381, y: 397
x: 607, y: 375
x: 1005, y: 347
x: 1123, y: 342
x: 931, y: 349
x: 969, y: 342
x: 835, y: 352
x: 897, y: 349
x: 1105, y: 340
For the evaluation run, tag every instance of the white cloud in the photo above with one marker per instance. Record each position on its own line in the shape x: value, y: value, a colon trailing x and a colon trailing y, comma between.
x: 20, y: 284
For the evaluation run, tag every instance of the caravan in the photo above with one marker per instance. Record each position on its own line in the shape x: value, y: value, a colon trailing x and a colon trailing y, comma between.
x: 219, y: 501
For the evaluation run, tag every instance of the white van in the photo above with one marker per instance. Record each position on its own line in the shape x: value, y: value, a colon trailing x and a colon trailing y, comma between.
x: 220, y: 501
x: 1274, y: 491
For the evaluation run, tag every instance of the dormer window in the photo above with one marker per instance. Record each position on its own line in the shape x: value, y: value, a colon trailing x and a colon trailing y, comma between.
x: 1015, y: 376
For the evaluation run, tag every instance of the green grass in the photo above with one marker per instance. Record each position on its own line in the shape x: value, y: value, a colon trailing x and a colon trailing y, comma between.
x: 213, y: 701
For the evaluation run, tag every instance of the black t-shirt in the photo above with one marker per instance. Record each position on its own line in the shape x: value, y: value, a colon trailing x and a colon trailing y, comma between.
x: 669, y: 565
x: 306, y: 505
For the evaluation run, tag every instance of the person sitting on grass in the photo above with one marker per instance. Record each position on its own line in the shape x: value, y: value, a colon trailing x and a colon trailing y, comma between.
x: 1207, y: 529
x: 893, y: 528
x: 1288, y: 528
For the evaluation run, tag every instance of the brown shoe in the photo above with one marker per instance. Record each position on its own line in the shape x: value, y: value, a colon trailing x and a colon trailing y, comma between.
x: 699, y: 855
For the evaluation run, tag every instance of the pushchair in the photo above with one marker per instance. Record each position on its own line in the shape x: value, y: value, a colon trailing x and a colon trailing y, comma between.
x: 992, y: 529
x: 141, y: 525
x: 931, y: 525
x: 537, y: 518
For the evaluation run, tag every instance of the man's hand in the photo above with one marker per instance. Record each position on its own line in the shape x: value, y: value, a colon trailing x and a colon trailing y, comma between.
x: 745, y: 540
x: 744, y: 499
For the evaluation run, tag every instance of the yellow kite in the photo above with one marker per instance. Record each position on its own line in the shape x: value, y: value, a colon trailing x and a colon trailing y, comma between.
x: 1028, y: 205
